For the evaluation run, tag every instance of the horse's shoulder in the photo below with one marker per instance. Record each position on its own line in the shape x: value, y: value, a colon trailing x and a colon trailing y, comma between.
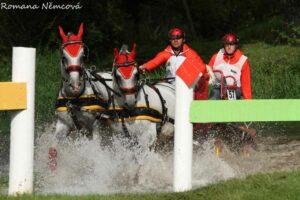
x: 165, y: 85
x: 105, y: 74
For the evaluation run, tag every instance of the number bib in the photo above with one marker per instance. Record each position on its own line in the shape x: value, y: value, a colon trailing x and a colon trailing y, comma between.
x: 231, y: 95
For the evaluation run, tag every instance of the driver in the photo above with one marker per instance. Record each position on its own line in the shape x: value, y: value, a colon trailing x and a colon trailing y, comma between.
x: 231, y: 61
x: 173, y: 55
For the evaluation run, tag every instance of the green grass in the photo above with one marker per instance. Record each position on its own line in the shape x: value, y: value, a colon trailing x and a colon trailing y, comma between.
x: 275, y: 71
x: 5, y: 75
x: 278, y: 185
x: 47, y: 84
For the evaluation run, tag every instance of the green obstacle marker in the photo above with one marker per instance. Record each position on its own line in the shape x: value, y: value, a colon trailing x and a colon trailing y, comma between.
x: 245, y: 110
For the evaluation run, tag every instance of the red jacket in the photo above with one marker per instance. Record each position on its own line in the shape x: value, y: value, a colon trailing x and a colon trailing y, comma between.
x: 163, y: 56
x: 245, y: 72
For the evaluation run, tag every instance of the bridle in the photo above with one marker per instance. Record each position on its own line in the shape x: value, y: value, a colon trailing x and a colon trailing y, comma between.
x: 75, y: 42
x: 78, y: 68
x: 116, y: 66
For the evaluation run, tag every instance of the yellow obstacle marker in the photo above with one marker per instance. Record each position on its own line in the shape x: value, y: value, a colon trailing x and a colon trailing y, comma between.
x: 13, y: 96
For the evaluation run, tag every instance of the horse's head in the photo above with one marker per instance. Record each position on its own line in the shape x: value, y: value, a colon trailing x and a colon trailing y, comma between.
x: 126, y: 74
x: 73, y: 52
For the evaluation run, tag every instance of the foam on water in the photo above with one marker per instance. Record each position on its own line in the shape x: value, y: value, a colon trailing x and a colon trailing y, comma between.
x: 89, y: 167
x: 85, y: 167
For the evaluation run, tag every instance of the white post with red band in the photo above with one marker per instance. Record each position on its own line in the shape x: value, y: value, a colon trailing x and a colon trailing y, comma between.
x: 22, y: 125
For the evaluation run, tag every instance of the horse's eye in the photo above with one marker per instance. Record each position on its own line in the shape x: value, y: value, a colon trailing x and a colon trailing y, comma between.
x: 118, y: 77
x: 137, y: 77
x: 82, y: 58
x: 64, y: 61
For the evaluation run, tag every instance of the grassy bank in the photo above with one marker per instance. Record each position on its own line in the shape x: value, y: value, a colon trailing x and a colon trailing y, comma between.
x: 279, y: 185
x: 275, y: 71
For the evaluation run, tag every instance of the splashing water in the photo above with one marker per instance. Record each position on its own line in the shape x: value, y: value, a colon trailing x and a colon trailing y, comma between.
x: 89, y: 167
x: 85, y: 167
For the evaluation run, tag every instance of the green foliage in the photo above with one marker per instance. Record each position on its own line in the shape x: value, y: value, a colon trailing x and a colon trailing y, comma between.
x: 5, y: 67
x: 4, y: 122
x: 289, y: 33
x: 47, y: 84
x: 275, y: 71
x: 5, y: 75
x: 109, y: 23
x: 264, y: 30
x: 3, y: 184
x: 273, y: 30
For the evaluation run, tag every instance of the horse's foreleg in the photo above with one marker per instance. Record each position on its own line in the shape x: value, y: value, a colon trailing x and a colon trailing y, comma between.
x: 167, y: 131
x: 165, y: 137
x: 61, y: 132
x: 52, y: 156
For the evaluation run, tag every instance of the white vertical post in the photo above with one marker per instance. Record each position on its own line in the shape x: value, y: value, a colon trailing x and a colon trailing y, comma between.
x: 22, y: 125
x: 183, y: 144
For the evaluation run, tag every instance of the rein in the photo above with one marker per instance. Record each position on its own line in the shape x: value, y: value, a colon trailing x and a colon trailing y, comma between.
x: 150, y: 81
x: 103, y: 81
x: 126, y: 91
x: 126, y: 64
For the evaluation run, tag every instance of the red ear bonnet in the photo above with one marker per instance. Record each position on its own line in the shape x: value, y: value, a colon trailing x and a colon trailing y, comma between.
x: 125, y: 61
x: 72, y: 49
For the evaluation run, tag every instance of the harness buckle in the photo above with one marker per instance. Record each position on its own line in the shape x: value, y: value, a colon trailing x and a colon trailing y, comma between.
x: 104, y: 116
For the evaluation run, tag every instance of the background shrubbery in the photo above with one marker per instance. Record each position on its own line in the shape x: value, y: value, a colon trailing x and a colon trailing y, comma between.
x: 109, y: 23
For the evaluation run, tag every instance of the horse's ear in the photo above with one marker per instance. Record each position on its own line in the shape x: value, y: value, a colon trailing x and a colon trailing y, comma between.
x: 133, y: 51
x: 80, y: 31
x: 62, y: 34
x: 116, y: 52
